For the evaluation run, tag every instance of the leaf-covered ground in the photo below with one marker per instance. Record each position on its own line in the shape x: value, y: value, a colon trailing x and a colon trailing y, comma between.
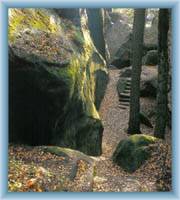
x: 154, y: 175
x: 38, y: 170
x: 32, y: 169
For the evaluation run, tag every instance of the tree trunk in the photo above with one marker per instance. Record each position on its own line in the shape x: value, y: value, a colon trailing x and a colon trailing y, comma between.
x: 163, y: 69
x: 137, y: 51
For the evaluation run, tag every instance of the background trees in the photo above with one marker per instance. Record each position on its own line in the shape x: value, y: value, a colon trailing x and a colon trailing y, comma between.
x: 137, y: 49
x: 163, y: 72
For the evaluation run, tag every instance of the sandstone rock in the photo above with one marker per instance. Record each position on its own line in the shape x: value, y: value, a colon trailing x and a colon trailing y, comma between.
x: 116, y: 35
x: 55, y: 81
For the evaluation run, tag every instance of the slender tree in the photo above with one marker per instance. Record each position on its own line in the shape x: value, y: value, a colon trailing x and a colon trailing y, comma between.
x: 137, y: 51
x: 163, y: 70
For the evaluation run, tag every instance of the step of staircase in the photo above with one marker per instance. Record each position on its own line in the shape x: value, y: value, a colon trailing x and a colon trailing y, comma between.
x: 128, y: 83
x: 124, y: 100
x: 124, y: 103
x: 126, y: 78
x: 128, y: 87
x: 123, y: 107
x: 127, y: 91
x: 124, y: 95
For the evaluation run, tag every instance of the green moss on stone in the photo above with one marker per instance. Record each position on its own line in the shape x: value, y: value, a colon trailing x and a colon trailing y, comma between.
x: 131, y: 153
x: 38, y: 19
x: 72, y: 92
x: 81, y: 124
x: 142, y: 140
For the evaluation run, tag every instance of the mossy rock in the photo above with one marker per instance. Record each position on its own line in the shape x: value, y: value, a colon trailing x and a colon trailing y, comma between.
x: 132, y: 152
x: 53, y: 105
x: 54, y: 102
x: 28, y: 19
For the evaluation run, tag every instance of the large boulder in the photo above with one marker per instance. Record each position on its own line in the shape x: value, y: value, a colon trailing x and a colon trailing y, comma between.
x: 56, y: 81
x: 132, y: 152
x: 149, y: 87
x: 151, y: 58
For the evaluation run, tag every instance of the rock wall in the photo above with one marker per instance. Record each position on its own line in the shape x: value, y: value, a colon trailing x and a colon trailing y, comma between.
x: 116, y: 34
x: 96, y: 27
x: 57, y: 80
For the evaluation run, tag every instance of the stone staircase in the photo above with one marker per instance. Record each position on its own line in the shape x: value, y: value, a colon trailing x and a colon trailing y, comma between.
x: 124, y: 89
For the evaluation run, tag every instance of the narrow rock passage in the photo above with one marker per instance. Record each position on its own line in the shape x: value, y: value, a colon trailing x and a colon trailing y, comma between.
x: 114, y: 118
x: 108, y: 176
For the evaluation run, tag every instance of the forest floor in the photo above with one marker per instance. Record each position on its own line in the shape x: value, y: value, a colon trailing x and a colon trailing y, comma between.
x: 36, y: 169
x: 110, y: 177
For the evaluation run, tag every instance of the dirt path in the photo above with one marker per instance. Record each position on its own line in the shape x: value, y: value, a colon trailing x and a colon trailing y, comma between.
x: 108, y: 176
x: 114, y: 118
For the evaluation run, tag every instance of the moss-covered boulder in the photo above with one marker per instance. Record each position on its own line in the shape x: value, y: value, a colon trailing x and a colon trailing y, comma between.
x: 132, y: 152
x: 55, y: 78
